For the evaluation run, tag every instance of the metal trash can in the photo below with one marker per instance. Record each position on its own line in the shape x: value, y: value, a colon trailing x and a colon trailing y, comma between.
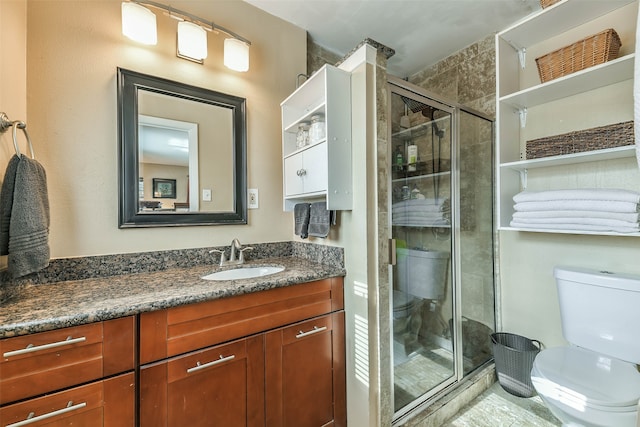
x: 514, y: 355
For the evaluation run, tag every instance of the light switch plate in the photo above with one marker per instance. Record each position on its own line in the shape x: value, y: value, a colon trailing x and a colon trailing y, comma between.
x: 252, y: 196
x: 206, y: 194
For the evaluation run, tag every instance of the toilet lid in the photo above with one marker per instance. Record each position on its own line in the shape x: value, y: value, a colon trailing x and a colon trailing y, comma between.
x: 592, y: 379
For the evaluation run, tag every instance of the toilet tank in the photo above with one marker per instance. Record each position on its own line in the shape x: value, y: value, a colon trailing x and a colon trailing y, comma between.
x: 421, y: 273
x: 600, y: 311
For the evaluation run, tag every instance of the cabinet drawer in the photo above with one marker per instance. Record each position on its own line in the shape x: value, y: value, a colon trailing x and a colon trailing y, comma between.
x: 108, y: 403
x: 40, y: 363
x: 179, y: 330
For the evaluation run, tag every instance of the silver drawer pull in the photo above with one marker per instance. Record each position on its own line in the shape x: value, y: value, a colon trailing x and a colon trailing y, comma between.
x: 31, y: 419
x: 315, y: 330
x: 33, y: 348
x: 215, y: 362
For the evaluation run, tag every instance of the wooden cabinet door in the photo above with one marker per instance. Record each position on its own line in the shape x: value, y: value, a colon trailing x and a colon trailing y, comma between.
x: 217, y: 386
x: 107, y: 403
x: 305, y: 374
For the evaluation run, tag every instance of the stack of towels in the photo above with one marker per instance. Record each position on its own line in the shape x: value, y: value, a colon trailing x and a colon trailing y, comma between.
x: 422, y: 213
x: 589, y: 209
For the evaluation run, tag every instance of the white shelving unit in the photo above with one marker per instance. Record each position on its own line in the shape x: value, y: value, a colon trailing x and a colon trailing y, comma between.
x: 322, y: 170
x: 514, y: 99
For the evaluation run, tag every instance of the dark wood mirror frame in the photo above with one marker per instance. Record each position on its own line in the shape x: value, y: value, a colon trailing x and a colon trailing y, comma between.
x: 129, y: 216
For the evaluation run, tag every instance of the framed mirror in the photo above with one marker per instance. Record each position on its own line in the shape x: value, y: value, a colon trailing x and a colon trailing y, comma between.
x: 181, y: 154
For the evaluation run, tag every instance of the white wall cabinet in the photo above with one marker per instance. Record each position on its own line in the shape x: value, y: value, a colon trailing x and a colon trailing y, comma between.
x: 320, y: 170
x: 523, y: 102
x: 306, y: 172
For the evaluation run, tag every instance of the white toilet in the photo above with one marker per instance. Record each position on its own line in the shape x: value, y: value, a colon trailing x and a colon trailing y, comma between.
x: 595, y: 380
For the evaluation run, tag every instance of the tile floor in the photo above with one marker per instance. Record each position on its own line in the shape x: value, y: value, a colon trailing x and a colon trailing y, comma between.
x: 497, y: 408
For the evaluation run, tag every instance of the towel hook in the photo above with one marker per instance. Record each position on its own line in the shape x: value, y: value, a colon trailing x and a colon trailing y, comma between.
x: 5, y: 124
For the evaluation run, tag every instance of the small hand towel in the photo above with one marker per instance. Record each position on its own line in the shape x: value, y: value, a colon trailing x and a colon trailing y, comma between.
x: 6, y: 203
x: 319, y: 220
x: 29, y: 224
x: 301, y: 213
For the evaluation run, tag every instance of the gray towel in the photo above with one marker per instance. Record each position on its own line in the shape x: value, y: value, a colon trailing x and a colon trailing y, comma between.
x: 6, y: 203
x: 29, y: 222
x: 319, y: 220
x: 301, y: 214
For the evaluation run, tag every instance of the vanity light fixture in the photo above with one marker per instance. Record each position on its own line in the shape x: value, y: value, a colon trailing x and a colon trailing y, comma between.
x: 139, y: 24
x: 192, y: 41
x: 236, y: 54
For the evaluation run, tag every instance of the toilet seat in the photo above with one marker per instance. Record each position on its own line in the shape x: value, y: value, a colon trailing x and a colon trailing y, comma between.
x: 583, y: 378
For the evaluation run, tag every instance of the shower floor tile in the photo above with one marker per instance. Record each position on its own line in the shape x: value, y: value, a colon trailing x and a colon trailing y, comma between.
x: 497, y: 408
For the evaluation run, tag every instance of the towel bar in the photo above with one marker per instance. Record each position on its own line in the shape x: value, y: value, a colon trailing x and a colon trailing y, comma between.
x: 5, y: 124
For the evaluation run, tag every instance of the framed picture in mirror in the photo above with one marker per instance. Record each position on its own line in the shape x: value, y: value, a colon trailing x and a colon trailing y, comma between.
x: 164, y: 188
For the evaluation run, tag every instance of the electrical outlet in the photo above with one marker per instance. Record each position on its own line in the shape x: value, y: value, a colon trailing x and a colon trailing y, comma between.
x: 253, y: 198
x: 206, y: 194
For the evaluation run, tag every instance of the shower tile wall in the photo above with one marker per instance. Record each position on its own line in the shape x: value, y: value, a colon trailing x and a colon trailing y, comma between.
x: 468, y: 77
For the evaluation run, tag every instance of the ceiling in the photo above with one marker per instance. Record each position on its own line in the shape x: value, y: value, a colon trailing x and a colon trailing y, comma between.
x: 422, y: 32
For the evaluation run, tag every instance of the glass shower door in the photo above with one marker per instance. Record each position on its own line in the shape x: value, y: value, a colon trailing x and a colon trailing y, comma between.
x: 477, y: 301
x: 421, y: 219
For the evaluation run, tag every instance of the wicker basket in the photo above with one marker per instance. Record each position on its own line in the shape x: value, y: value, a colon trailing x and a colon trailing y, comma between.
x: 598, y: 138
x: 590, y: 51
x: 547, y: 3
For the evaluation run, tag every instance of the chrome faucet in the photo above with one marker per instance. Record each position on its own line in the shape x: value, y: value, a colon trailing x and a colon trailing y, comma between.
x: 235, y: 246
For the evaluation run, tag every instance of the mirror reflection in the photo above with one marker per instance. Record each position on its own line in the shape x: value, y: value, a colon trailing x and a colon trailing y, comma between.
x: 182, y: 153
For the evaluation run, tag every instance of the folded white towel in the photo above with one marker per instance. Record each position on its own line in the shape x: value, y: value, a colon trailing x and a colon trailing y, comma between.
x: 589, y: 221
x: 575, y: 227
x: 419, y: 205
x: 622, y: 216
x: 607, y: 194
x: 422, y: 223
x: 427, y: 215
x: 579, y: 205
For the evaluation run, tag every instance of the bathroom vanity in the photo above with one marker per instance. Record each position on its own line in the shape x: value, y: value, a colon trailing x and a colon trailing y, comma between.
x: 254, y: 352
x: 276, y: 353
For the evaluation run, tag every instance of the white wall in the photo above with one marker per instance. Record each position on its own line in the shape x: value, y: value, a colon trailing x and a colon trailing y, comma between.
x: 74, y: 48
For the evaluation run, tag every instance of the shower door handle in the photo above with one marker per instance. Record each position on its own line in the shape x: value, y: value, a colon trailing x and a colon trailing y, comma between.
x: 392, y: 251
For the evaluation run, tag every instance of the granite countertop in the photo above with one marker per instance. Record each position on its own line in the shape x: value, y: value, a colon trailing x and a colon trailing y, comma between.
x: 45, y: 307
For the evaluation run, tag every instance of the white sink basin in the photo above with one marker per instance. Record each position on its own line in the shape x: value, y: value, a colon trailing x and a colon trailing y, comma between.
x: 243, y: 273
